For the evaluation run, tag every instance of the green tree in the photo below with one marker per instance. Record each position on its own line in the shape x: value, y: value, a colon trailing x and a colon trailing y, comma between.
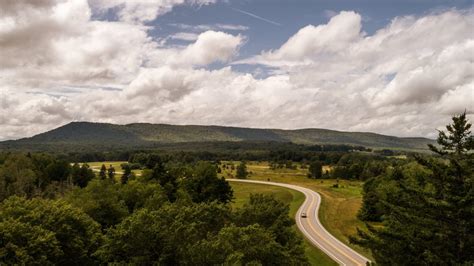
x: 17, y: 177
x: 100, y: 200
x: 23, y: 243
x: 315, y: 169
x: 242, y: 172
x: 205, y: 186
x: 254, y: 245
x: 81, y: 175
x: 102, y: 173
x: 58, y: 171
x: 127, y: 173
x: 137, y: 195
x: 273, y: 215
x: 49, y: 231
x: 165, y: 179
x: 458, y: 140
x: 431, y: 221
x: 111, y: 173
x: 164, y: 236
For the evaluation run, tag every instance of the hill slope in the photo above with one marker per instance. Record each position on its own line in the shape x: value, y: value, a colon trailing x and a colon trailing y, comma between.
x: 150, y: 135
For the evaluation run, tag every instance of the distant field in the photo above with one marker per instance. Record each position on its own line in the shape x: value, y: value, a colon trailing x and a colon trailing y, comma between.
x: 242, y: 193
x: 115, y: 164
x: 339, y: 206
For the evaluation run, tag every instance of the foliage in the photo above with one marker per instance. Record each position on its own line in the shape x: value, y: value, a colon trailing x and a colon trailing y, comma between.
x: 127, y: 174
x: 315, y: 169
x: 81, y: 175
x: 102, y: 173
x: 430, y: 221
x: 42, y: 231
x: 205, y: 186
x: 39, y: 175
x: 101, y: 201
x: 111, y: 173
x: 242, y: 172
x: 163, y: 235
x: 198, y: 234
x: 271, y: 214
x: 458, y: 140
x: 250, y: 245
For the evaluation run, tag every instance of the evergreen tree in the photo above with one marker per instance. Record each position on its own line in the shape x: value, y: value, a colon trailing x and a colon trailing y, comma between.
x: 102, y: 173
x: 111, y: 173
x: 431, y: 222
x: 242, y: 171
x: 127, y: 172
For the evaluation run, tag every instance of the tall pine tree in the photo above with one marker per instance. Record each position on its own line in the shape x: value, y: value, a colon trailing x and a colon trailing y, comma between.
x: 432, y: 221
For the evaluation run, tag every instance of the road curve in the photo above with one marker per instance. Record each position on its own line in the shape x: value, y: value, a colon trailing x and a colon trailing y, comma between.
x: 312, y: 228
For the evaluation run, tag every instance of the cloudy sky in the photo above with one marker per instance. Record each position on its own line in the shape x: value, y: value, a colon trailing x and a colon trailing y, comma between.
x: 393, y: 67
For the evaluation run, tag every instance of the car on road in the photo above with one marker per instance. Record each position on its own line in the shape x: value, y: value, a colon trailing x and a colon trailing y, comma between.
x: 303, y: 215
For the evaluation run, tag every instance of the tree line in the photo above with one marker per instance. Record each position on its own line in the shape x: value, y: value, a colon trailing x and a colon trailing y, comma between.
x: 174, y: 213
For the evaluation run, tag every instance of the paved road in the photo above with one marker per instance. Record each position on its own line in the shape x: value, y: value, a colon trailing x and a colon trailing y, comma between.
x: 312, y: 228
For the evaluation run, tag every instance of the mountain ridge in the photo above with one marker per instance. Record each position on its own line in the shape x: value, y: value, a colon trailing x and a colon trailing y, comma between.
x: 147, y: 134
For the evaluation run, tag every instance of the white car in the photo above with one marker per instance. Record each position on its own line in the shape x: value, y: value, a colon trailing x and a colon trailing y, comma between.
x: 303, y: 215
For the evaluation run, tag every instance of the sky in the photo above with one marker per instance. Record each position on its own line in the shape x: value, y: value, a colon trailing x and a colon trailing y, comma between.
x: 399, y: 68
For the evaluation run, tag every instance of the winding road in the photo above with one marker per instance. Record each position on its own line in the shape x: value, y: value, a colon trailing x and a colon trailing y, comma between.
x: 312, y: 228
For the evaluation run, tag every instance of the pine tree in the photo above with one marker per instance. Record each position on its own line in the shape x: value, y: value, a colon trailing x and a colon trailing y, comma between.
x: 111, y: 173
x: 431, y: 222
x: 242, y: 171
x: 127, y: 172
x: 102, y: 174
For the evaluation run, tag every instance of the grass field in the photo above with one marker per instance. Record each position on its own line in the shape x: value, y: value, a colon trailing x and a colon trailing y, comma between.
x: 339, y: 206
x: 95, y: 166
x: 294, y: 198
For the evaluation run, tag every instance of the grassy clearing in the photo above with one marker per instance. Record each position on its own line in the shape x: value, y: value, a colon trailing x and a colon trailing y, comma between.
x: 242, y: 193
x: 95, y: 166
x: 339, y: 206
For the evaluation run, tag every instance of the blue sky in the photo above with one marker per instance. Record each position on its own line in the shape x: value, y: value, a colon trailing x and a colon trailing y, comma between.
x: 293, y: 15
x: 393, y: 67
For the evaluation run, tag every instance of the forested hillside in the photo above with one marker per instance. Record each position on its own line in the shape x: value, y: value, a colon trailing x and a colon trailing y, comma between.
x: 153, y: 135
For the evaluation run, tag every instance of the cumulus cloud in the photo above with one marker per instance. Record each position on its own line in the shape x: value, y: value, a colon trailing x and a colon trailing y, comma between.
x: 60, y: 45
x: 415, y: 71
x: 60, y: 64
x: 209, y: 47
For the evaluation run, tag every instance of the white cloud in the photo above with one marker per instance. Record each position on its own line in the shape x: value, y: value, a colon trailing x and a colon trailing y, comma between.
x: 405, y: 79
x: 139, y: 11
x: 209, y: 47
x: 58, y: 64
x: 60, y: 45
x: 311, y: 41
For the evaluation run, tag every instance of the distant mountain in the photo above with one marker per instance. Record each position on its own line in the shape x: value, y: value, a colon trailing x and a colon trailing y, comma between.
x: 143, y: 135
